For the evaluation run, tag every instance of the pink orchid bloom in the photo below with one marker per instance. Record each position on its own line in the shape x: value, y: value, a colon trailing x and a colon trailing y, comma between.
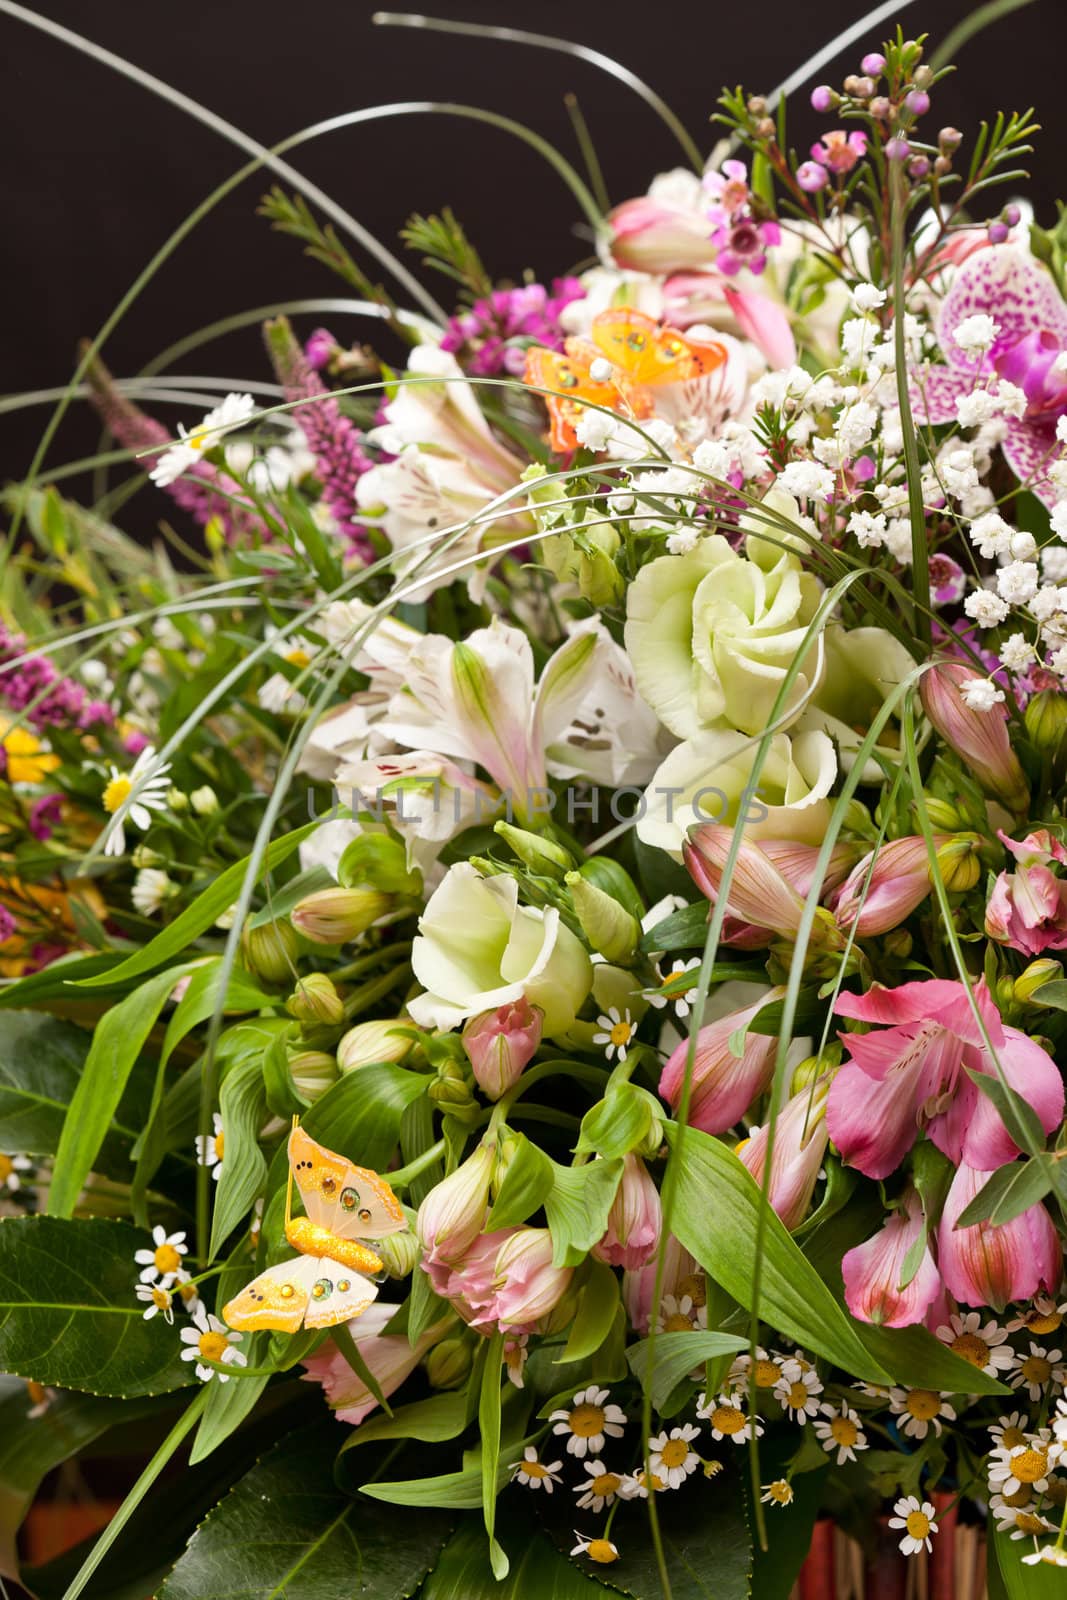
x: 981, y: 738
x: 872, y: 1272
x: 1031, y: 318
x: 724, y: 1085
x: 987, y: 1265
x: 913, y: 1072
x: 800, y: 1140
x: 1028, y: 907
x: 899, y: 881
x: 771, y: 879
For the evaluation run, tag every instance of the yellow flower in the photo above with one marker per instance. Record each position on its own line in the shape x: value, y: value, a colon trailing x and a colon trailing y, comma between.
x: 27, y: 760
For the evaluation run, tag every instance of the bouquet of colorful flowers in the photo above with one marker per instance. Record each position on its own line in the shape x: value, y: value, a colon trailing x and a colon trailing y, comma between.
x: 531, y: 917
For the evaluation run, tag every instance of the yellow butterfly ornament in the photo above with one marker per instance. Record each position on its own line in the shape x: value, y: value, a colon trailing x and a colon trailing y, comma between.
x: 327, y: 1282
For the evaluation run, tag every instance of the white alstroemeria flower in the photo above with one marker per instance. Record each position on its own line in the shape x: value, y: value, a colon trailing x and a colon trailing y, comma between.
x: 478, y: 949
x: 148, y: 780
x: 475, y: 700
x: 426, y: 797
x: 614, y: 738
x: 209, y: 431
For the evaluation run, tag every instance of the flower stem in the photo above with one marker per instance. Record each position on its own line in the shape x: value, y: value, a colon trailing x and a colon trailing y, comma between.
x: 920, y: 556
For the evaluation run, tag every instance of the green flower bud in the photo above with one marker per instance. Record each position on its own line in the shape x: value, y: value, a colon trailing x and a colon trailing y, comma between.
x: 562, y: 1313
x: 335, y: 916
x: 1046, y: 720
x: 144, y: 857
x: 400, y: 1253
x: 944, y: 818
x: 1004, y: 990
x: 610, y: 929
x: 587, y: 561
x: 898, y: 942
x: 270, y: 951
x: 204, y: 801
x: 959, y: 863
x: 177, y: 800
x: 382, y: 1040
x: 806, y: 1072
x: 313, y: 1072
x: 1037, y: 974
x: 539, y: 854
x: 380, y: 861
x: 449, y: 1363
x: 451, y: 1091
x: 315, y: 1000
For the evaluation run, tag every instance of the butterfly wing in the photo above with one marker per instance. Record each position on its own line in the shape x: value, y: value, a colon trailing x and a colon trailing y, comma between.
x: 337, y: 1294
x: 276, y: 1299
x: 352, y: 1202
x: 649, y: 354
x: 566, y: 377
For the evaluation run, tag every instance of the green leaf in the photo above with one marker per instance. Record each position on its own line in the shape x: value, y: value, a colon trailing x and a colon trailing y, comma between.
x: 31, y: 1447
x: 598, y: 1302
x: 282, y: 902
x: 1052, y: 994
x: 539, y: 1572
x: 1039, y: 1582
x: 117, y: 1041
x: 68, y: 1315
x: 1008, y: 1192
x: 526, y: 1184
x: 196, y: 919
x: 283, y: 1097
x: 716, y: 1215
x: 458, y: 1491
x: 55, y: 981
x: 577, y: 1208
x: 226, y: 1405
x: 360, y: 1115
x: 433, y: 1421
x: 918, y: 1360
x: 285, y: 1530
x: 624, y: 1119
x: 243, y: 1105
x: 489, y: 1428
x: 676, y: 1354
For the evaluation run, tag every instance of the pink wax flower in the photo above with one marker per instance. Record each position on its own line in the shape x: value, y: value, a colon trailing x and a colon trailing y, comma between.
x: 899, y: 881
x: 681, y: 1276
x: 800, y: 1140
x: 839, y: 151
x: 740, y: 236
x: 1030, y: 317
x: 389, y: 1357
x: 987, y: 1265
x: 724, y: 1085
x: 501, y: 1043
x: 1028, y: 907
x: 872, y: 1272
x: 634, y: 1221
x: 981, y: 738
x: 913, y: 1072
x: 812, y: 177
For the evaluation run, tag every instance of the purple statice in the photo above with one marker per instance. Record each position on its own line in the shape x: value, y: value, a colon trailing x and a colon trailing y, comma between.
x: 490, y: 340
x: 45, y: 815
x: 8, y: 925
x: 35, y: 684
x: 203, y: 491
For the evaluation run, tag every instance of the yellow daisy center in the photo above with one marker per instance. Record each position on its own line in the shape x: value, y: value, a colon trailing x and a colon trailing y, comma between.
x: 621, y: 1032
x: 695, y: 1285
x: 116, y: 792
x: 844, y: 1431
x: 1035, y: 1369
x: 161, y: 1298
x: 923, y: 1404
x: 780, y: 1492
x: 1021, y: 1497
x: 798, y: 1395
x: 534, y: 1469
x: 1028, y: 1523
x: 7, y: 1167
x: 727, y: 1420
x: 970, y: 1348
x: 1012, y: 1437
x: 918, y: 1524
x: 220, y: 1145
x: 1030, y: 1465
x: 1044, y: 1321
x: 607, y: 1484
x: 196, y: 441
x: 674, y: 1453
x: 213, y: 1346
x: 166, y: 1258
x: 298, y: 657
x: 187, y: 1291
x: 586, y: 1420
x: 677, y: 1322
x: 767, y: 1374
x: 602, y: 1550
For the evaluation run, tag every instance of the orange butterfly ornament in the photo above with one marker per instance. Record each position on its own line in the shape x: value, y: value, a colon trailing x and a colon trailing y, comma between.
x: 328, y: 1281
x: 641, y: 354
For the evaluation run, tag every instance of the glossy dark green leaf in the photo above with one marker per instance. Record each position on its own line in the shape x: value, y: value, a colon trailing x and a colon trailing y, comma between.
x: 577, y: 1208
x: 624, y: 1119
x: 918, y: 1360
x: 359, y: 1116
x: 598, y: 1301
x: 286, y: 1531
x: 1021, y: 1581
x: 53, y: 983
x: 1008, y: 1192
x: 716, y: 1217
x: 526, y: 1185
x: 673, y: 1355
x: 68, y: 1314
x: 433, y: 1421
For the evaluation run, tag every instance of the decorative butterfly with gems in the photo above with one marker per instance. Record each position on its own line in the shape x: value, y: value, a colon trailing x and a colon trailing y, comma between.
x: 640, y: 354
x: 327, y: 1282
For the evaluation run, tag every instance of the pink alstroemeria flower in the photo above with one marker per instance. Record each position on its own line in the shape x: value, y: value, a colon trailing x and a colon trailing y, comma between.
x: 800, y: 1140
x: 724, y: 1085
x: 1028, y: 907
x: 389, y: 1357
x: 872, y: 1272
x: 980, y: 738
x: 899, y: 881
x: 771, y: 879
x: 913, y: 1073
x: 987, y: 1265
x: 1031, y: 318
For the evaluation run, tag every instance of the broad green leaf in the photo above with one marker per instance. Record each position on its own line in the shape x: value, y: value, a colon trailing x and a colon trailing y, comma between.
x: 68, y: 1314
x: 226, y: 1405
x: 31, y: 1446
x: 283, y: 1096
x: 918, y: 1360
x: 1051, y: 994
x: 808, y: 1018
x: 716, y: 1218
x: 286, y: 1531
x: 598, y: 1302
x: 424, y: 1307
x: 526, y: 1184
x: 196, y: 919
x: 1008, y: 1192
x: 117, y: 1041
x: 624, y: 1119
x: 577, y: 1208
x: 458, y: 1491
x: 1020, y: 1581
x: 676, y: 1354
x: 432, y: 1421
x: 360, y: 1115
x: 54, y: 982
x: 539, y: 1572
x: 243, y: 1105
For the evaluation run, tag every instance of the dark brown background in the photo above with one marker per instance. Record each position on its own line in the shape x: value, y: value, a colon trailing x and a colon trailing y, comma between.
x: 95, y: 171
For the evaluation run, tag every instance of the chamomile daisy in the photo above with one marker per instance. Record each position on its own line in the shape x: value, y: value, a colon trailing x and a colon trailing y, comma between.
x: 589, y: 1422
x: 151, y: 889
x: 147, y: 780
x: 922, y: 1409
x: 766, y: 1370
x: 671, y: 991
x: 537, y: 1474
x: 671, y: 1455
x: 601, y: 1551
x: 516, y: 1354
x: 1043, y: 1316
x: 636, y: 1485
x: 1037, y: 1369
x: 680, y: 1315
x: 778, y: 1493
x: 231, y: 413
x: 797, y: 1391
x: 840, y: 1430
x: 727, y: 1418
x: 159, y: 1301
x: 163, y: 1262
x: 11, y: 1170
x: 916, y: 1517
x: 210, y: 1151
x: 984, y: 1345
x: 617, y: 1034
x: 1021, y: 1522
x: 1050, y: 1555
x: 1009, y: 1430
x: 1021, y: 1466
x: 210, y: 1340
x: 598, y: 1490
